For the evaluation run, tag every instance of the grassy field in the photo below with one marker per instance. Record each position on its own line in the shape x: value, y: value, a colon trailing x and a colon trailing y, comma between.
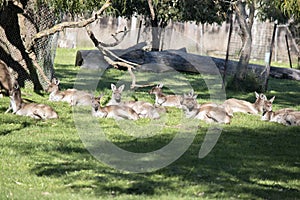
x: 252, y: 159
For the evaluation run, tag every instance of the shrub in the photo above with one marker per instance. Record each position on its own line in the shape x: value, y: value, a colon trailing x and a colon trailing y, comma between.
x: 250, y: 83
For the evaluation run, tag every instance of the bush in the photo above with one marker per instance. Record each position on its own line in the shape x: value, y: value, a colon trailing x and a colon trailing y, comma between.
x: 250, y: 83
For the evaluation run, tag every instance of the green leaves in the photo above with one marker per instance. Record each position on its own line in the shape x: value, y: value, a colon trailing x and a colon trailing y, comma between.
x: 72, y: 6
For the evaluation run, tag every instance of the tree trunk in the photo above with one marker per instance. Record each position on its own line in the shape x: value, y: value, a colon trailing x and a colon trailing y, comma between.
x: 19, y: 22
x: 245, y: 21
x: 12, y: 49
x: 244, y: 58
x: 155, y: 35
x: 154, y: 27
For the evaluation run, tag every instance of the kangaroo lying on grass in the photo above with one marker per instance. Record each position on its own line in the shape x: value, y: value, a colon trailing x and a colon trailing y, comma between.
x: 238, y: 105
x: 143, y: 109
x: 34, y: 110
x: 209, y: 112
x: 165, y: 100
x: 6, y: 80
x: 293, y: 118
x: 112, y: 111
x: 286, y: 116
x: 72, y: 96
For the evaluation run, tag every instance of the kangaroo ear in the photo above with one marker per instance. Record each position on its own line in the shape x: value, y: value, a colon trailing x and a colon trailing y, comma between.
x: 113, y: 87
x: 55, y: 81
x: 191, y: 93
x: 160, y: 85
x: 272, y: 99
x: 16, y: 85
x: 121, y: 88
x: 256, y: 95
x: 195, y: 96
x: 182, y: 98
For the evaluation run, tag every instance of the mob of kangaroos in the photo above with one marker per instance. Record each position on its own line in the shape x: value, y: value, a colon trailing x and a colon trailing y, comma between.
x: 119, y: 109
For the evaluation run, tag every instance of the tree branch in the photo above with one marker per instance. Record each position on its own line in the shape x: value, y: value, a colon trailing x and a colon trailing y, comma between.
x: 55, y: 29
x: 63, y: 25
x: 121, y: 62
x: 118, y: 41
x: 151, y: 9
x: 251, y: 13
x: 104, y: 50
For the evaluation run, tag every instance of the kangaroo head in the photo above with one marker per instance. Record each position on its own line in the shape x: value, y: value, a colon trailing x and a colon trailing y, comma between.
x: 96, y: 102
x: 117, y: 92
x: 156, y: 89
x: 189, y: 101
x: 268, y: 105
x: 53, y: 86
x: 260, y: 101
x: 15, y: 93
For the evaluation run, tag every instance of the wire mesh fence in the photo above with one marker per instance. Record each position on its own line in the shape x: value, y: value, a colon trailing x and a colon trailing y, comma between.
x: 16, y: 31
x: 45, y: 48
x: 204, y: 39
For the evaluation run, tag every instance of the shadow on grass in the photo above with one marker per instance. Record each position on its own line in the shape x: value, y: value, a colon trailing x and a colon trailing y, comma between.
x: 9, y: 125
x: 245, y: 163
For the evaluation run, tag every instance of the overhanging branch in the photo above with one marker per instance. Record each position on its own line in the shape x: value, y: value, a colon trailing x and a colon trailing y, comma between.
x: 105, y: 51
x: 63, y: 25
x: 118, y: 41
x: 55, y: 29
x: 109, y: 56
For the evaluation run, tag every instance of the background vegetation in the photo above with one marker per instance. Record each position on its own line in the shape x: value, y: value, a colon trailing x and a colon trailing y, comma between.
x: 47, y: 160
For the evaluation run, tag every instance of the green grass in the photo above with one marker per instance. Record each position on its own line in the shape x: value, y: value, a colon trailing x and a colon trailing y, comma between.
x: 276, y: 64
x: 48, y: 160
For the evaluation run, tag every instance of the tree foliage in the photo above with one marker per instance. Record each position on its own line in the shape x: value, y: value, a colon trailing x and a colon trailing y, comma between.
x: 73, y: 7
x: 205, y: 11
x: 289, y: 7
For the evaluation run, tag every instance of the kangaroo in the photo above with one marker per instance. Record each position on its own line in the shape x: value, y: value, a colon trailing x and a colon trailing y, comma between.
x: 293, y: 118
x: 286, y: 116
x: 238, y: 105
x: 112, y: 111
x: 116, y: 94
x: 6, y: 80
x: 143, y: 109
x: 81, y: 98
x: 165, y: 100
x: 208, y: 112
x: 34, y: 110
x: 72, y: 96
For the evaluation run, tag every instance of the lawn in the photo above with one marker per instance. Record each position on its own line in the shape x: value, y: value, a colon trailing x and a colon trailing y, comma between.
x: 51, y: 159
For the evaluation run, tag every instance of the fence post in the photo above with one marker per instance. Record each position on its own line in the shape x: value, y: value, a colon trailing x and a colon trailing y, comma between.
x: 227, y: 51
x: 139, y: 32
x: 268, y: 64
x: 288, y: 49
x: 276, y: 45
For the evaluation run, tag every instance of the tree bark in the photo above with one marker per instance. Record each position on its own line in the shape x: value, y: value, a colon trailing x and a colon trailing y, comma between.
x: 245, y: 23
x: 154, y: 26
x: 12, y: 49
x: 244, y: 58
x: 155, y: 35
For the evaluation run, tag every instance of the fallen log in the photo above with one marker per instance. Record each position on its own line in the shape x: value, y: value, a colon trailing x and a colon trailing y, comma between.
x: 179, y: 60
